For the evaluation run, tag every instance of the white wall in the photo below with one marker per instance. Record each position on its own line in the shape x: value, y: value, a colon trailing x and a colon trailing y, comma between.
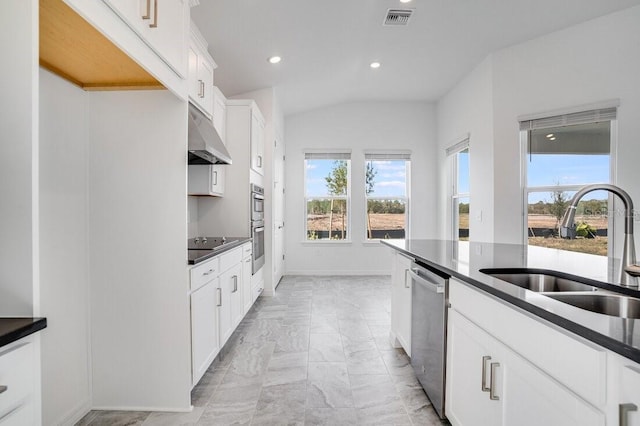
x: 586, y: 63
x: 66, y: 383
x: 359, y: 126
x: 140, y: 339
x: 468, y: 110
x: 19, y: 158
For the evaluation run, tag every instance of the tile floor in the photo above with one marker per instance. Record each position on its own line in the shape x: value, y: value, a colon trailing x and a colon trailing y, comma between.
x: 315, y: 354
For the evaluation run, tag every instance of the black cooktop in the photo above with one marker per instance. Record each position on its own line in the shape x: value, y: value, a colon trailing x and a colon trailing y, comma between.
x: 202, y: 248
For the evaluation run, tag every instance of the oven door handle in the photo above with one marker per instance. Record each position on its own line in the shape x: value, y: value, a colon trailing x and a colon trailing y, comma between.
x: 428, y: 284
x: 258, y: 196
x: 260, y: 229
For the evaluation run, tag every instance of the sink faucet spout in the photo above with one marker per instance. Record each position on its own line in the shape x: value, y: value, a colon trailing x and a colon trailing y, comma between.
x: 629, y: 271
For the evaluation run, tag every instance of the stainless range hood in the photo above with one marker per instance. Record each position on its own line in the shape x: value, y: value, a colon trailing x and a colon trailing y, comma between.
x: 205, y: 145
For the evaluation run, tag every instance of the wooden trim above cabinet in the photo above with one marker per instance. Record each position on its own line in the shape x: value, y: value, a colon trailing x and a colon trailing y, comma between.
x: 73, y: 49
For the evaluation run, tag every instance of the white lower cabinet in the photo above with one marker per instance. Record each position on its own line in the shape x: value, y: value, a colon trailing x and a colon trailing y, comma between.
x: 504, y: 368
x: 401, y: 303
x: 220, y: 296
x: 489, y: 384
x: 204, y: 328
x: 17, y: 378
x: 247, y: 297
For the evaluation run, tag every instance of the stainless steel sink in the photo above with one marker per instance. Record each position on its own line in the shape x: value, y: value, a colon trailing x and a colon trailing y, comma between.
x: 538, y: 281
x: 607, y: 304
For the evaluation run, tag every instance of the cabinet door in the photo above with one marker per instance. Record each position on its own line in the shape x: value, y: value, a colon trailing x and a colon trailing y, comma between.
x: 225, y: 326
x: 629, y: 399
x: 247, y: 297
x: 401, y: 302
x: 257, y: 144
x: 205, y: 80
x: 195, y: 87
x: 217, y: 180
x: 533, y: 398
x: 204, y: 329
x: 237, y: 305
x: 162, y: 24
x: 469, y: 375
x: 220, y: 116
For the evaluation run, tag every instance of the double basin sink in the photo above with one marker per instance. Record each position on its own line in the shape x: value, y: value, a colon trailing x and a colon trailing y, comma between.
x: 572, y: 291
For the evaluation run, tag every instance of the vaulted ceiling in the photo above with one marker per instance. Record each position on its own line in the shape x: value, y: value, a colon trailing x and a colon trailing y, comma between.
x: 327, y: 45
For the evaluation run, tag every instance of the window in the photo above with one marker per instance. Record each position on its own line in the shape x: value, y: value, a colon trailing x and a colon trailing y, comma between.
x: 386, y: 192
x: 327, y: 195
x: 459, y: 154
x: 562, y: 154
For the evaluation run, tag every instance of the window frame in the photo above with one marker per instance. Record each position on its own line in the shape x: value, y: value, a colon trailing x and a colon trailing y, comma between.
x: 391, y: 156
x: 526, y: 190
x: 306, y: 198
x: 453, y: 153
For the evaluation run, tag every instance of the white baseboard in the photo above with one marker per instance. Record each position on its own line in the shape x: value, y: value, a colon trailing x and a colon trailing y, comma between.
x: 74, y: 415
x: 337, y: 272
x: 163, y: 409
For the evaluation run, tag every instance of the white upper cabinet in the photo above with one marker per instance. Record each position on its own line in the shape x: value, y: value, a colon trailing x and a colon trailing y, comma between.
x: 220, y: 113
x: 201, y: 66
x: 161, y: 24
x: 257, y: 142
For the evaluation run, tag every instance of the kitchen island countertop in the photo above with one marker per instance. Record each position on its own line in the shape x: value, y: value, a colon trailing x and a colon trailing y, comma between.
x: 463, y: 260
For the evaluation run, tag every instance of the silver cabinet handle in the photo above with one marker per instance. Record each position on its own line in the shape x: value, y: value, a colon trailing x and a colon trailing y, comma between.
x: 484, y: 386
x: 235, y: 283
x: 248, y: 260
x: 623, y: 410
x: 405, y: 279
x: 3, y: 389
x: 492, y: 383
x: 215, y: 177
x: 259, y: 160
x: 428, y: 284
x: 219, y: 297
x: 154, y: 24
x: 147, y: 13
x: 209, y: 272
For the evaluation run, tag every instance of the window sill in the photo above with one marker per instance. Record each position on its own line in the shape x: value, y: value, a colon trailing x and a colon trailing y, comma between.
x: 326, y: 242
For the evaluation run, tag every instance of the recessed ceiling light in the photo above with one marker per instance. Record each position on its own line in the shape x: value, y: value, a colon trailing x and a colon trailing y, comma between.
x: 550, y: 135
x: 375, y: 65
x: 274, y: 59
x: 405, y: 1
x: 552, y: 138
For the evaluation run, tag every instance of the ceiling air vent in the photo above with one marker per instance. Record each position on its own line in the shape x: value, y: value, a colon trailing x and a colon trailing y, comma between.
x: 397, y: 16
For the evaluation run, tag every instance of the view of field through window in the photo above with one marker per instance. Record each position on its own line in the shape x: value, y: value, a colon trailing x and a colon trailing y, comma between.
x: 560, y: 160
x: 327, y: 198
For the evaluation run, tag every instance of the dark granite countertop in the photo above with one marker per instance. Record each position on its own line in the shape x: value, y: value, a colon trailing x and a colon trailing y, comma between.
x: 197, y: 256
x: 463, y: 260
x: 12, y: 329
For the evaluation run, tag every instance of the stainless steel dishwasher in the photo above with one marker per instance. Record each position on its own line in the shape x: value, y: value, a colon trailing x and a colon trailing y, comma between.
x: 429, y: 299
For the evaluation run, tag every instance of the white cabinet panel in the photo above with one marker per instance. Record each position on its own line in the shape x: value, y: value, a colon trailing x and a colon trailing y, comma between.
x: 401, y: 302
x: 162, y: 24
x: 257, y: 143
x: 204, y: 329
x: 225, y: 324
x: 207, y: 179
x: 629, y: 399
x: 17, y: 401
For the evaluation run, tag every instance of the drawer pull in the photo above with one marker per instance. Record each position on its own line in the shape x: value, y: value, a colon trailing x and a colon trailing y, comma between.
x: 209, y: 272
x: 484, y: 386
x: 248, y: 260
x: 147, y: 13
x: 155, y: 15
x: 492, y: 384
x: 623, y: 410
x: 3, y: 389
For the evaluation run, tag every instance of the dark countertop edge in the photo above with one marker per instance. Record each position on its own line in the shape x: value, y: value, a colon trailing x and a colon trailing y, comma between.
x: 224, y: 248
x: 616, y: 346
x: 18, y: 333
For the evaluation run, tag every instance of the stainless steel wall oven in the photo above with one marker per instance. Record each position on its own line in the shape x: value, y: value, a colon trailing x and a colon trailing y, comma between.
x: 257, y: 226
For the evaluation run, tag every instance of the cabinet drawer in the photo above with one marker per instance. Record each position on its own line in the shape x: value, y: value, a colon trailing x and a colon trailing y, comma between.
x: 202, y: 274
x: 230, y: 258
x: 572, y: 361
x: 247, y: 250
x: 16, y: 377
